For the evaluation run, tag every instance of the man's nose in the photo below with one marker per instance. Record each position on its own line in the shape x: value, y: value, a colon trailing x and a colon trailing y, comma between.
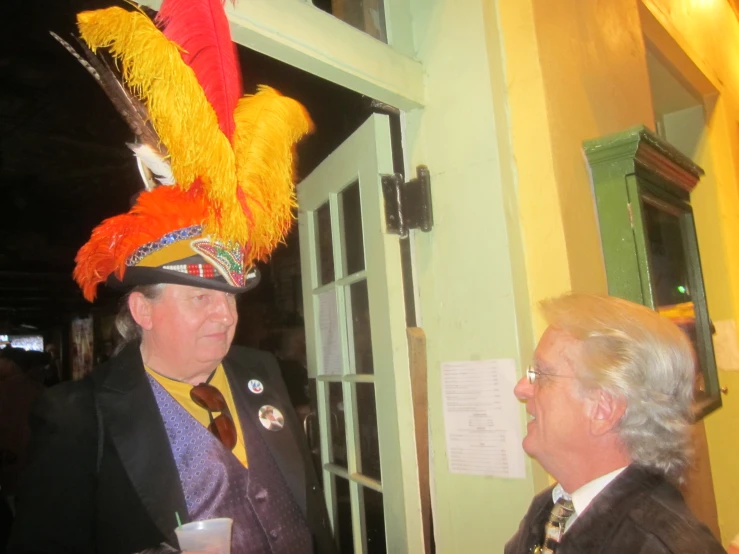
x: 224, y: 309
x: 523, y: 389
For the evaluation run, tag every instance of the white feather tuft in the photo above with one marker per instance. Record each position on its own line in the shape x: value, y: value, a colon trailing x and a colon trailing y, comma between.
x: 159, y: 167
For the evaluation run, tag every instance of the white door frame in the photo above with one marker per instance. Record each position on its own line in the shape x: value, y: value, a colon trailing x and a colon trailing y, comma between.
x: 301, y: 35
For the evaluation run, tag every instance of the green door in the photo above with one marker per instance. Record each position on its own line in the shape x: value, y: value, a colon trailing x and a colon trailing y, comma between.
x: 357, y: 351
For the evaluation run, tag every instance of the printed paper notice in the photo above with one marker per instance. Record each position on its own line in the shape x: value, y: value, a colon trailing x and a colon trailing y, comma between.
x: 481, y: 418
x: 328, y: 327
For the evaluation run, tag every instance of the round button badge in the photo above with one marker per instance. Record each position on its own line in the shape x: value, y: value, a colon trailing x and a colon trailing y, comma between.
x: 271, y: 418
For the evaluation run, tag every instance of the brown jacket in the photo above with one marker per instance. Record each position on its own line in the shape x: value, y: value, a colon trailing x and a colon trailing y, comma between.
x: 638, y: 513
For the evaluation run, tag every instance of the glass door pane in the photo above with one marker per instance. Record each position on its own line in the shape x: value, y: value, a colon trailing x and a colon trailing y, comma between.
x: 365, y: 15
x: 343, y: 529
x: 341, y: 299
x: 352, y: 301
x: 375, y: 517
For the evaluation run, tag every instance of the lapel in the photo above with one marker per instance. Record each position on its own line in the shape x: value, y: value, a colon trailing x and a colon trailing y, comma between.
x: 533, y: 529
x: 241, y: 366
x: 131, y: 417
x: 594, y: 530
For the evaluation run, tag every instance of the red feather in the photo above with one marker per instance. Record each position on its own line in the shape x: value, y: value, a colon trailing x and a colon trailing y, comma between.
x: 200, y: 28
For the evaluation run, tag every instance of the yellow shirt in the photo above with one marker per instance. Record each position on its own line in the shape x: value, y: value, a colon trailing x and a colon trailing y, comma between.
x: 181, y: 392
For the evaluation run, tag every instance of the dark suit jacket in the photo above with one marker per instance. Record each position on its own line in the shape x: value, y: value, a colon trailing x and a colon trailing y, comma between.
x: 119, y: 495
x: 638, y: 513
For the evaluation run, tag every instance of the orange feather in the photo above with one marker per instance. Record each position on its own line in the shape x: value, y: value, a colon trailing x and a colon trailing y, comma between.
x: 161, y: 211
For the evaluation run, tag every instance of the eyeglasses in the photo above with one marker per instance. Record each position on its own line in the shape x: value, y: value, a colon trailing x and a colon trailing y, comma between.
x: 532, y: 374
x: 222, y: 426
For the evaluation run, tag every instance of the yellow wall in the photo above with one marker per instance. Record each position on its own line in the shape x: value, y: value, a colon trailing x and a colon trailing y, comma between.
x: 708, y: 32
x: 577, y: 70
x: 512, y: 89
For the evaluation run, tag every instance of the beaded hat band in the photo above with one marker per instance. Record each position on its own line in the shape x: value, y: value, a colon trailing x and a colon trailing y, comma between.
x: 186, y: 257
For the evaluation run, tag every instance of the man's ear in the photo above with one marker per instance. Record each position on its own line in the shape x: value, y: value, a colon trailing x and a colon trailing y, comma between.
x: 140, y: 308
x: 607, y: 412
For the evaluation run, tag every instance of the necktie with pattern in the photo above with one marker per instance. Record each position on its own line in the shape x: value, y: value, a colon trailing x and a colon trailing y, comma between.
x: 555, y: 527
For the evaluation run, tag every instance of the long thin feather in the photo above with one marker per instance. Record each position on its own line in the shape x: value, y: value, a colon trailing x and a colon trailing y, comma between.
x: 90, y: 69
x: 200, y: 28
x: 113, y: 84
x: 132, y: 111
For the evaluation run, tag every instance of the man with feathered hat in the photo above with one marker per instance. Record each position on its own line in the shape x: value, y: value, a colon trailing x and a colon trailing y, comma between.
x: 179, y: 426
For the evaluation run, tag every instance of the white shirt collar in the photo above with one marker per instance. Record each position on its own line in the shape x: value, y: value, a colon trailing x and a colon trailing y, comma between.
x: 583, y: 496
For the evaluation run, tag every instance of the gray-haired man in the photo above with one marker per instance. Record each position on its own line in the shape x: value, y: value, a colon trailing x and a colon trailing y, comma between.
x: 609, y: 393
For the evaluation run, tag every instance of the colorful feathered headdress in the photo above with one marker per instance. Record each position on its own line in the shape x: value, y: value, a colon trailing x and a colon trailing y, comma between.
x: 219, y: 165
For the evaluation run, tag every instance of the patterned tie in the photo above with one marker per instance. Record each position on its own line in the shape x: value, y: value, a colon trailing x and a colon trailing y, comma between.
x: 555, y: 527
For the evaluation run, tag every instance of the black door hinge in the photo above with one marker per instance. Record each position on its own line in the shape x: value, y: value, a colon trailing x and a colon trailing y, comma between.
x: 408, y: 205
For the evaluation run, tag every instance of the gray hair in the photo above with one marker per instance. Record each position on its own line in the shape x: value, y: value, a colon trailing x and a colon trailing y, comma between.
x: 128, y: 329
x: 635, y: 354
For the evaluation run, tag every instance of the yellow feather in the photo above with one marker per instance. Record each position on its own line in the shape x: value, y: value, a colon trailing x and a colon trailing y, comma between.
x: 268, y: 125
x: 177, y: 106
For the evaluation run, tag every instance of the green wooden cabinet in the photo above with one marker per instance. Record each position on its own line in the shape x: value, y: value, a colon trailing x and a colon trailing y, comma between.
x: 642, y: 189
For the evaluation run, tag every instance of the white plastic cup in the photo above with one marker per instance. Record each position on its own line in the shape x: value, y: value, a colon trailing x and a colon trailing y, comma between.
x: 210, y: 536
